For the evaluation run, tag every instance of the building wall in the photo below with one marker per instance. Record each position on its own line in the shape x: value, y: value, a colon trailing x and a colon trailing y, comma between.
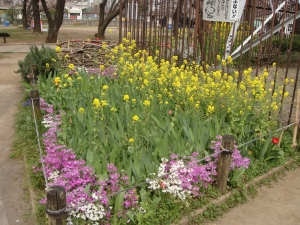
x: 3, y: 16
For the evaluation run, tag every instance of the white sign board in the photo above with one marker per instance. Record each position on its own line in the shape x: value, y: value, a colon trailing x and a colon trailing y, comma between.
x: 221, y: 10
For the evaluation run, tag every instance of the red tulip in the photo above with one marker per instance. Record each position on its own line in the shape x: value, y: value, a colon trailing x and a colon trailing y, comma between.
x: 275, y: 140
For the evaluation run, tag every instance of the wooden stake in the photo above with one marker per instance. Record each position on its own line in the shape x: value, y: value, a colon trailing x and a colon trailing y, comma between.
x: 296, y: 120
x: 68, y: 44
x: 35, y: 96
x: 224, y: 162
x: 56, y: 205
x: 280, y: 138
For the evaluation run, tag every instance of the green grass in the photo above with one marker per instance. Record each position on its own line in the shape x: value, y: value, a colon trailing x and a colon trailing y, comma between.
x: 23, y: 34
x: 25, y: 147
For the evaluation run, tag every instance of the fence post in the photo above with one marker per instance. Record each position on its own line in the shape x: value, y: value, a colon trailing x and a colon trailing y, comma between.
x: 35, y: 96
x: 224, y: 162
x: 56, y: 205
x: 296, y: 120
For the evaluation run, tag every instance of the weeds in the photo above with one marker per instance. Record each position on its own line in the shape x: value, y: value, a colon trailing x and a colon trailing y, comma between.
x: 25, y: 148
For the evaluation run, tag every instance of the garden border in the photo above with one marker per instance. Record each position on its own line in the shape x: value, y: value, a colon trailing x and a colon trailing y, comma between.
x: 186, y: 219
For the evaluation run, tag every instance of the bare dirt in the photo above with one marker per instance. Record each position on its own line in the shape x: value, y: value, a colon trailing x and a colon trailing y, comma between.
x: 15, y: 207
x: 276, y: 205
x: 279, y: 205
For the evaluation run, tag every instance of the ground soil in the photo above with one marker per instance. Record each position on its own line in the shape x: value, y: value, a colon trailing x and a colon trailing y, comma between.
x: 275, y: 205
x: 15, y: 204
x: 279, y: 205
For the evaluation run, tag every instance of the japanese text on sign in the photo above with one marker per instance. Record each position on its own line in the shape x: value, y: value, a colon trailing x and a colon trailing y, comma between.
x: 221, y: 10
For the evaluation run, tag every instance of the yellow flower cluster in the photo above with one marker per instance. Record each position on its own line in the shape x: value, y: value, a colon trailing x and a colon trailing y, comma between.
x: 191, y: 85
x: 57, y: 80
x: 58, y: 49
x: 96, y: 103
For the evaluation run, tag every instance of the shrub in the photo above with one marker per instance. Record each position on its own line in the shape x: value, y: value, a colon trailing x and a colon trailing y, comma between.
x: 37, y: 62
x: 285, y: 43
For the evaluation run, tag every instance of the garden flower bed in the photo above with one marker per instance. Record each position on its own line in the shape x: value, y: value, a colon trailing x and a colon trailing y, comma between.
x: 137, y: 120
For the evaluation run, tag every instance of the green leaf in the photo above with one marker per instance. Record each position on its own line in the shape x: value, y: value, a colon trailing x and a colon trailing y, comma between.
x: 143, y: 195
x: 130, y: 215
x: 130, y: 149
x: 89, y: 157
x: 158, y: 123
x: 139, y: 216
x: 135, y: 173
x: 265, y: 149
x: 87, y: 189
x: 148, y: 165
x: 118, y: 205
x: 237, y: 174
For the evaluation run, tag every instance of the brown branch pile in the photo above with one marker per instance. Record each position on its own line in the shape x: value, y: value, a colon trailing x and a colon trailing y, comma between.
x: 89, y: 54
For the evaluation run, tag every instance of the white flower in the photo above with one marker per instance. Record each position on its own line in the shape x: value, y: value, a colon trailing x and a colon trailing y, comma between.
x: 53, y: 175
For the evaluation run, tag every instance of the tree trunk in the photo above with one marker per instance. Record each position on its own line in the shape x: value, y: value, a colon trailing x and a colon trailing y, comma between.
x: 36, y: 16
x: 24, y: 12
x: 176, y: 17
x: 103, y: 22
x: 54, y: 24
x: 101, y: 29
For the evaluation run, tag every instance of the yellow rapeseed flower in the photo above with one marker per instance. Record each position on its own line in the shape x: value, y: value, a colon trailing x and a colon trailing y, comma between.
x: 58, y: 49
x: 223, y: 62
x: 286, y: 80
x: 103, y: 103
x: 135, y: 118
x: 57, y: 80
x: 130, y: 140
x: 96, y: 103
x: 229, y: 60
x: 81, y: 110
x: 71, y: 66
x: 146, y: 103
x: 126, y: 97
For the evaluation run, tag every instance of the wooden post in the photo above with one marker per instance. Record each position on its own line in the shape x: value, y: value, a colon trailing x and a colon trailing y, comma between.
x: 56, y: 205
x: 35, y: 96
x: 224, y: 162
x: 280, y: 138
x: 296, y: 120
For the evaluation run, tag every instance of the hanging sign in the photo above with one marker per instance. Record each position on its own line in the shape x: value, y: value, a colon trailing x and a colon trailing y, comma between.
x: 221, y: 10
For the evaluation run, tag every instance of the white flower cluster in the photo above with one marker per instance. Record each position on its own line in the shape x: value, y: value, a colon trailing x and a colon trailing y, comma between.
x: 48, y: 122
x: 91, y: 212
x: 170, y: 181
x: 54, y: 175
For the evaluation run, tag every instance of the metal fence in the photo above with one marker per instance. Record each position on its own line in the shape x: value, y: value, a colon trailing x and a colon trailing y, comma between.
x: 266, y: 33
